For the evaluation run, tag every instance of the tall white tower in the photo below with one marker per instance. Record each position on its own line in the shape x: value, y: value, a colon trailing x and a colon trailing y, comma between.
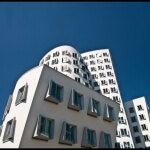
x: 101, y: 67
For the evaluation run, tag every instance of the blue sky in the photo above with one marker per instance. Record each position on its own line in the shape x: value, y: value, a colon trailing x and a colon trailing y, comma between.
x: 28, y: 30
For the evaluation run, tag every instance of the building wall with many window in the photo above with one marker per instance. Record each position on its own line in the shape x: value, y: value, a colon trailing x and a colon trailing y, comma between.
x: 50, y: 110
x: 101, y: 67
x: 138, y: 117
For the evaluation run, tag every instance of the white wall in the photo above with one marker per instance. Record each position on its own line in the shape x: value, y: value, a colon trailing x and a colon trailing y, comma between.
x: 61, y: 113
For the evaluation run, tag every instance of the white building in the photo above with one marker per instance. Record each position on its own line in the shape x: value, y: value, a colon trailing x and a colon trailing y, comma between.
x: 138, y: 117
x: 48, y: 109
x: 101, y: 67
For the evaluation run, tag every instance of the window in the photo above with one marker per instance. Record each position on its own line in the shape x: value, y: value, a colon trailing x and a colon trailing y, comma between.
x: 76, y: 101
x: 95, y: 84
x: 102, y: 75
x: 110, y: 74
x: 124, y: 132
x: 137, y: 139
x: 140, y: 107
x: 135, y: 129
x: 133, y: 119
x: 100, y: 68
x: 92, y: 62
x: 44, y: 128
x: 94, y: 76
x: 121, y: 120
x: 91, y: 56
x: 104, y: 82
x: 65, y: 68
x: 94, y: 108
x: 85, y: 58
x: 54, y: 92
x: 47, y: 63
x: 77, y: 79
x: 55, y: 68
x: 116, y: 99
x: 55, y: 54
x: 74, y: 55
x: 105, y: 54
x: 131, y: 110
x: 109, y: 114
x: 107, y: 60
x: 68, y: 134
x: 65, y: 60
x: 111, y: 81
x: 99, y: 61
x: 98, y: 55
x: 142, y: 117
x: 47, y: 58
x: 108, y: 67
x: 114, y: 90
x: 7, y: 107
x: 55, y: 61
x: 75, y: 62
x: 89, y: 138
x: 76, y: 70
x: 9, y: 131
x: 146, y: 138
x: 126, y: 144
x: 144, y: 127
x: 105, y: 140
x: 106, y: 91
x: 65, y: 52
x: 117, y: 145
x: 93, y: 68
x: 42, y: 61
x: 22, y: 92
x: 85, y: 76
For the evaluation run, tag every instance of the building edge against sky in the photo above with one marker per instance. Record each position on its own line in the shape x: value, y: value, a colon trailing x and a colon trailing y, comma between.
x: 138, y: 115
x: 93, y: 69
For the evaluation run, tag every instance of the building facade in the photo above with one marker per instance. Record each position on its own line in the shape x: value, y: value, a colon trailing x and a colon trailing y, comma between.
x: 48, y: 109
x: 138, y: 116
x: 101, y: 67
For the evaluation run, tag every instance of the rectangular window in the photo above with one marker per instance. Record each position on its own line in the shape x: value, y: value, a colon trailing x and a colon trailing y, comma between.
x: 144, y: 127
x: 135, y: 129
x: 77, y: 79
x: 140, y: 107
x: 142, y: 117
x: 146, y: 138
x: 75, y: 62
x: 99, y: 61
x: 85, y: 76
x: 21, y: 96
x: 109, y: 114
x: 76, y: 70
x: 65, y: 52
x: 106, y: 60
x: 131, y: 110
x: 133, y: 119
x: 107, y: 141
x: 89, y: 138
x: 54, y: 92
x: 68, y: 134
x: 44, y: 129
x: 74, y: 55
x: 126, y: 144
x: 9, y: 131
x: 137, y: 139
x: 93, y: 68
x: 76, y: 100
x: 106, y: 91
x: 91, y: 56
x: 108, y: 67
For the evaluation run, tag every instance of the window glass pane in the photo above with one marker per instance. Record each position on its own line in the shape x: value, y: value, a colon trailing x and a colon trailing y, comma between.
x: 106, y: 137
x: 53, y: 89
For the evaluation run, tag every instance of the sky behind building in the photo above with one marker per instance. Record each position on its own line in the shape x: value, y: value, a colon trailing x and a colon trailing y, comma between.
x: 28, y: 30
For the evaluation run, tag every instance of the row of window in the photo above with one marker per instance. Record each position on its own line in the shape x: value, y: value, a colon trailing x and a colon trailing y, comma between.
x: 125, y: 145
x: 109, y: 74
x: 107, y: 91
x: 142, y: 117
x: 140, y: 107
x: 122, y: 132
x: 97, y: 55
x: 143, y: 126
x: 44, y: 130
x: 76, y: 101
x: 101, y: 68
x: 145, y: 137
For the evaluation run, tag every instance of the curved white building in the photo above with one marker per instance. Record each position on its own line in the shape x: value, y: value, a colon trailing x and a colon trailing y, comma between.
x: 68, y: 61
x: 101, y: 67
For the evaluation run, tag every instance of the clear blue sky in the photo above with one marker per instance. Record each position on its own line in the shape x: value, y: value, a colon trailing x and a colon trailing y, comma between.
x: 28, y: 30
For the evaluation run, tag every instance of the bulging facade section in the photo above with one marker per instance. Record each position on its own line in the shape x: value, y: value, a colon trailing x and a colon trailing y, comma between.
x: 68, y: 61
